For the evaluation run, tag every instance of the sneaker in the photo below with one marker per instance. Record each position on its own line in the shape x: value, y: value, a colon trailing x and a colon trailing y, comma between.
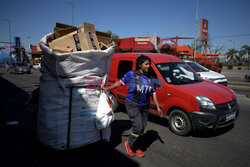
x: 129, y: 151
x: 139, y: 153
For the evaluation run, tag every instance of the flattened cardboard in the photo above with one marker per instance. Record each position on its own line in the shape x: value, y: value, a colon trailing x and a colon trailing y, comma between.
x: 59, y: 32
x: 60, y: 25
x: 103, y: 37
x: 78, y: 41
x: 89, y: 27
x: 62, y: 49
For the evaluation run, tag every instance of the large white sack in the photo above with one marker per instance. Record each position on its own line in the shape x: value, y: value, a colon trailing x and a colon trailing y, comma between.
x: 72, y: 68
x: 54, y: 127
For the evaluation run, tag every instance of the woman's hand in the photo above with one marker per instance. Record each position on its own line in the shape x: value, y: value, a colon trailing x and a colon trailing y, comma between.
x: 160, y: 111
x: 113, y: 86
x: 157, y: 105
x: 104, y: 89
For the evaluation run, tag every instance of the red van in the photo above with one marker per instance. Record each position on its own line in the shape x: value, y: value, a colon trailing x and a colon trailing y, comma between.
x: 187, y: 101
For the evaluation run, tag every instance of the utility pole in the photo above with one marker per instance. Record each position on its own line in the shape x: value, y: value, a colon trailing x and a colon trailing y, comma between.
x: 196, y: 22
x: 8, y: 20
x: 28, y: 48
x: 248, y: 62
x: 70, y: 3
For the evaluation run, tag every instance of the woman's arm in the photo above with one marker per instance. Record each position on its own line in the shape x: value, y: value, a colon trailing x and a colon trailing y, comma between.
x: 113, y: 86
x: 157, y: 104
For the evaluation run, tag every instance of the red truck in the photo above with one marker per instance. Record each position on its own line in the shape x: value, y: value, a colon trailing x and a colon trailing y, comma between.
x: 187, y: 101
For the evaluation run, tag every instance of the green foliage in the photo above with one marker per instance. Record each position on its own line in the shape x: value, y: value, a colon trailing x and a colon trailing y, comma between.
x: 114, y: 37
x: 18, y: 51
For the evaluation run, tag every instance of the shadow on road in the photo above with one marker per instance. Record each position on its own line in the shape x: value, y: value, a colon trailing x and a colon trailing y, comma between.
x: 148, y: 138
x: 20, y: 147
x: 212, y: 133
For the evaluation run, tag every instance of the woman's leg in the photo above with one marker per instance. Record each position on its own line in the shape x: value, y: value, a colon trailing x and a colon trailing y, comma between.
x: 135, y: 116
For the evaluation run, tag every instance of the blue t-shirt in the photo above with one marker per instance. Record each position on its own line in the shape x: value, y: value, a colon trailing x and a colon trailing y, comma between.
x: 140, y: 87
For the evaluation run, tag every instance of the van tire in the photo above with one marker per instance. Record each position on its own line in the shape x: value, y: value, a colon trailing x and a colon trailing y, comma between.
x: 114, y: 102
x: 179, y: 123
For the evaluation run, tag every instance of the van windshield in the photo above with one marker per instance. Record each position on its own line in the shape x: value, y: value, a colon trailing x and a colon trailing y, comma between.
x: 177, y: 73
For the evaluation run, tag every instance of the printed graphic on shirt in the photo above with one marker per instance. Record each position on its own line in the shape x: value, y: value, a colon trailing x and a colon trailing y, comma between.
x: 140, y: 87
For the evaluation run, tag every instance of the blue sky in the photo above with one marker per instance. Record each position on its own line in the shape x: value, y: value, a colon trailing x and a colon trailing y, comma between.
x: 229, y: 20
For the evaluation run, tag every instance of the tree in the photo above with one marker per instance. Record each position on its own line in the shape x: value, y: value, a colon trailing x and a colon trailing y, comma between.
x: 218, y: 49
x: 18, y: 51
x: 200, y: 46
x: 114, y: 37
x: 232, y: 53
x: 246, y: 49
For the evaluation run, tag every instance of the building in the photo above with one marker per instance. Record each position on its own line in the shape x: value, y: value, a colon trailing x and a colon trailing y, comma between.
x: 36, y: 54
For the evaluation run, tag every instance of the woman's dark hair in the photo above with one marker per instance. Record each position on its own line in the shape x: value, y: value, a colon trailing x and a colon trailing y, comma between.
x: 140, y: 60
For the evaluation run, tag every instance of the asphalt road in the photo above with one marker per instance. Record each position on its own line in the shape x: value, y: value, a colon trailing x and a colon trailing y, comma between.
x: 227, y: 147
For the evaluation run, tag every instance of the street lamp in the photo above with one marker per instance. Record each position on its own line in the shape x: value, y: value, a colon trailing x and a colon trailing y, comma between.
x: 70, y: 3
x: 9, y: 30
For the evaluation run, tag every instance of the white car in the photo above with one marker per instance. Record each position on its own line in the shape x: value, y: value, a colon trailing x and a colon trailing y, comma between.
x: 37, y: 66
x: 207, y: 74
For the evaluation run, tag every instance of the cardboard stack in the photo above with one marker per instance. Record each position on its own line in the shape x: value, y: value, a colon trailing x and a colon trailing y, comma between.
x: 69, y: 38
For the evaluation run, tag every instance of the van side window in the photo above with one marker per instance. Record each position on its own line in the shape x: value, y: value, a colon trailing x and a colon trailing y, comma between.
x: 157, y: 82
x: 123, y: 68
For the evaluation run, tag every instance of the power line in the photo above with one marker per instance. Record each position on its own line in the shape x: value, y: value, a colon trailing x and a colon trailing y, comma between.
x: 230, y: 36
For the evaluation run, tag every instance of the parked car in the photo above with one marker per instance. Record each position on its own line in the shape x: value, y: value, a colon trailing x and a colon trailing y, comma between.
x: 247, y: 75
x: 7, y: 65
x: 37, y: 66
x: 2, y: 64
x: 19, y: 68
x: 207, y: 74
x: 187, y: 101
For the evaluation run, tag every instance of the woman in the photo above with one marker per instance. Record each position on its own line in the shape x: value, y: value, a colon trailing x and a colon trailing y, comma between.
x: 141, y: 87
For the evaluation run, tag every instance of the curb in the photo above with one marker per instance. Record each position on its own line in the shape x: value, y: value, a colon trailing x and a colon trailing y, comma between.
x: 238, y: 83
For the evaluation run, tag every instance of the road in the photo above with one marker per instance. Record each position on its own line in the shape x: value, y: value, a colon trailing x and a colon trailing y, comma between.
x: 236, y: 80
x: 227, y: 147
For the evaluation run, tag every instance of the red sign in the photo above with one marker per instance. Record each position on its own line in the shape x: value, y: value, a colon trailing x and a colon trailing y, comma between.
x: 204, y: 30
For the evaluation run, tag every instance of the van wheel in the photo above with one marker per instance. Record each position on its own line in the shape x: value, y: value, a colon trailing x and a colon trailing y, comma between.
x: 114, y: 103
x: 179, y: 123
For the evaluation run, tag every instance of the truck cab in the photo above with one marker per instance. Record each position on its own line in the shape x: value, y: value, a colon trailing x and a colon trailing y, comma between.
x: 188, y: 102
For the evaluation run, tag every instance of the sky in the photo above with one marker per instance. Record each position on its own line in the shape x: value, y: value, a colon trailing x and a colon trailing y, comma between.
x: 228, y: 20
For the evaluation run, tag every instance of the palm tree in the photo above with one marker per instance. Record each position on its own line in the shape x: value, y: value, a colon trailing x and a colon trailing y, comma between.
x: 246, y: 49
x: 18, y: 51
x: 232, y: 53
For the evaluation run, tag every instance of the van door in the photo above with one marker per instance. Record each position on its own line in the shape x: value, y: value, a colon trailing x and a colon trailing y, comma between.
x: 124, y: 66
x: 163, y: 91
x: 158, y: 88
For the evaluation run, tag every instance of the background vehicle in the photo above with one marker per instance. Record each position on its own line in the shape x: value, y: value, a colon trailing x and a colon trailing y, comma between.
x: 207, y: 74
x: 7, y: 65
x: 188, y: 102
x: 19, y: 68
x: 167, y: 46
x: 37, y: 66
x: 247, y: 75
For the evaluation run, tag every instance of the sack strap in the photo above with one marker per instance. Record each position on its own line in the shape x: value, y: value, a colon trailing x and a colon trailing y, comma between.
x: 104, y: 80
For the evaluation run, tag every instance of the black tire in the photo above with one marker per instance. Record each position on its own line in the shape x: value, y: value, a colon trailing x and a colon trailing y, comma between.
x: 179, y: 123
x: 114, y: 102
